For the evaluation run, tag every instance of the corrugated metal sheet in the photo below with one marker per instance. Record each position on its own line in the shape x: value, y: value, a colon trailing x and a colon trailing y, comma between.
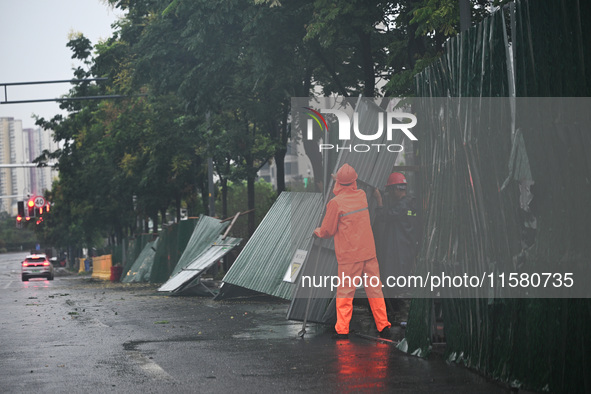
x: 372, y: 167
x: 321, y: 262
x: 205, y: 234
x: 200, y: 264
x: 172, y: 244
x: 142, y: 267
x: 288, y: 226
x: 133, y: 250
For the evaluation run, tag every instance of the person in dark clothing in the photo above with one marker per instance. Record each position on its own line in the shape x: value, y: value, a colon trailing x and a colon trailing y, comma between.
x: 396, y: 229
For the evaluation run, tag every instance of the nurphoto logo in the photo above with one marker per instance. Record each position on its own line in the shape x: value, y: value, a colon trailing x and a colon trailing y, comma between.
x: 353, y: 135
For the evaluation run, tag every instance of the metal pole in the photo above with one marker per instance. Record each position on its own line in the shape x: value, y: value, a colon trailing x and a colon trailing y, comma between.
x: 26, y: 165
x: 116, y: 96
x: 53, y: 81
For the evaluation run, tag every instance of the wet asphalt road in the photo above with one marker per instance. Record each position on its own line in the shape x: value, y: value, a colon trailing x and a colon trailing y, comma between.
x: 76, y: 334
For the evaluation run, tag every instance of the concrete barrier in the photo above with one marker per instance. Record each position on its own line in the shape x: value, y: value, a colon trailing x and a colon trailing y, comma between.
x: 101, y: 267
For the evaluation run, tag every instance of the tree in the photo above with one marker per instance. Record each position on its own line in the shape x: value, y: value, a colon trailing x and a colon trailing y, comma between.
x: 181, y: 51
x: 81, y: 166
x: 215, y: 79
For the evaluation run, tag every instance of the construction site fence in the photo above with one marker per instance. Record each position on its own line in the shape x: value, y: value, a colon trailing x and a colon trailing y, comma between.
x: 516, y: 196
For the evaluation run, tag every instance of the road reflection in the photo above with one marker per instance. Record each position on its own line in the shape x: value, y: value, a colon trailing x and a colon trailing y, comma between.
x: 362, y: 368
x: 36, y: 283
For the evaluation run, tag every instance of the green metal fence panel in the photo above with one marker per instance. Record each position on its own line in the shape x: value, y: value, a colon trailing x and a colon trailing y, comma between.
x: 141, y: 269
x: 172, y: 244
x: 133, y: 250
x: 538, y: 344
x: 204, y: 234
x: 265, y: 259
x: 463, y: 167
x: 553, y: 58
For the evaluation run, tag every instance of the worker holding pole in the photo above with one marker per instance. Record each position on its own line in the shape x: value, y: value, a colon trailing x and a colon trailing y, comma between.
x: 347, y: 220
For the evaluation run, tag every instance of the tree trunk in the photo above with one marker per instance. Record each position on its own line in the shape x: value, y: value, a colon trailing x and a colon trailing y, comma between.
x: 118, y: 234
x: 334, y: 75
x: 280, y: 163
x: 250, y: 195
x: 155, y: 223
x: 251, y: 176
x: 163, y: 215
x: 280, y: 153
x: 224, y: 183
x: 251, y: 200
x: 204, y: 198
x: 313, y: 153
x: 367, y: 64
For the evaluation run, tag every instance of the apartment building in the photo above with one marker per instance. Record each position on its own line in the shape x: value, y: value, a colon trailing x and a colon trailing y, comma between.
x: 18, y: 148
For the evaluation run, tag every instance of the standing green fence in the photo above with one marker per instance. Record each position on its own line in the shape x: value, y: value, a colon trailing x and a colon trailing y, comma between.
x: 512, y: 196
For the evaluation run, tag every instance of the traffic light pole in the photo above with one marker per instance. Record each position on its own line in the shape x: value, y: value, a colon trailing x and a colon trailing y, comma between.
x: 26, y: 165
x: 72, y: 81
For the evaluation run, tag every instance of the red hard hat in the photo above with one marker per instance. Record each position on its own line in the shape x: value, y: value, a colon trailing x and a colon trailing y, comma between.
x: 346, y: 174
x: 396, y: 178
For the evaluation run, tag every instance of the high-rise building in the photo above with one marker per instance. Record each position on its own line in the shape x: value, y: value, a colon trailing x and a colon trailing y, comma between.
x: 19, y: 147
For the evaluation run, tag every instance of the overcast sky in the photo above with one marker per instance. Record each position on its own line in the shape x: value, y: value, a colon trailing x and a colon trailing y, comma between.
x: 33, y: 37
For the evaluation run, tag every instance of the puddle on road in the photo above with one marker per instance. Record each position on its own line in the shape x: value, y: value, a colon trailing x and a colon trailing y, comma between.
x: 133, y: 345
x: 280, y: 331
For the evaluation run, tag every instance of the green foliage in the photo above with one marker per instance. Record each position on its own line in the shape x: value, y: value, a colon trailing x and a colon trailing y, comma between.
x: 237, y: 202
x: 437, y: 15
x: 13, y: 238
x: 214, y: 79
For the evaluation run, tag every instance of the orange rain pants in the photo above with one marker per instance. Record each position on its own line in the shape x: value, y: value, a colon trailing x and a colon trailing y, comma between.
x: 346, y: 292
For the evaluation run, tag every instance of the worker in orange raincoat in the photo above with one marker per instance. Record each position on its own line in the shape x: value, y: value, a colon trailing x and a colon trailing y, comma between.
x: 347, y: 219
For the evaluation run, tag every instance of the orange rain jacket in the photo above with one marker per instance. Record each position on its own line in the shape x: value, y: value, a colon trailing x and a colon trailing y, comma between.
x: 347, y: 219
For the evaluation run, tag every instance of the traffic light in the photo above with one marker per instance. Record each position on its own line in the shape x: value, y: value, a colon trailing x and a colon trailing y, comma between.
x: 31, y: 208
x: 20, y: 213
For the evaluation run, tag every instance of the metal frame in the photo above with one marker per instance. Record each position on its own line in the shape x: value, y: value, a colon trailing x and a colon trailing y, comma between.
x: 72, y: 81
